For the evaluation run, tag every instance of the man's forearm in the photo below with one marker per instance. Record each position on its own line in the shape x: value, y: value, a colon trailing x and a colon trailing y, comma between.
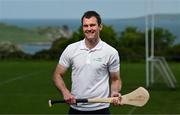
x: 68, y: 97
x: 116, y: 83
x: 116, y: 86
x: 58, y: 81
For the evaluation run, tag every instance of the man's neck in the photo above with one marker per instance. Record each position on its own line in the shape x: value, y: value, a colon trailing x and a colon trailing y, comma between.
x: 91, y: 43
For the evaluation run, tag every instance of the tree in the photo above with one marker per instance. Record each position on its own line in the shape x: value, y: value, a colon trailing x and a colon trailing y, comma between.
x: 10, y: 50
x: 163, y: 40
x: 109, y: 36
x: 132, y: 41
x: 174, y: 53
x: 130, y: 44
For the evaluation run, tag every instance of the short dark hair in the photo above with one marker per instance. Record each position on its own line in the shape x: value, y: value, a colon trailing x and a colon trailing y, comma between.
x: 90, y: 14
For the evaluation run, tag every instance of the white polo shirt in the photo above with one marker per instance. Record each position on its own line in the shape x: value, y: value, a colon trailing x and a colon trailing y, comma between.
x: 90, y: 72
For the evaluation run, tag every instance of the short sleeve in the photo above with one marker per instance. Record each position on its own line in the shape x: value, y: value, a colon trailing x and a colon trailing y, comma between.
x: 114, y: 63
x: 65, y: 57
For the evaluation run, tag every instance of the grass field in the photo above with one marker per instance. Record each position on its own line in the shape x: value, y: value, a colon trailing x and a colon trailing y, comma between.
x: 26, y: 86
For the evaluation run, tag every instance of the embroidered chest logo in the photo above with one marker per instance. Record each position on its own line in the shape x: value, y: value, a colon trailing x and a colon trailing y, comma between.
x: 98, y: 59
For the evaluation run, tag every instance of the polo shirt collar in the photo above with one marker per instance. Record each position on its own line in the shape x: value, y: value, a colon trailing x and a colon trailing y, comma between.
x: 97, y: 47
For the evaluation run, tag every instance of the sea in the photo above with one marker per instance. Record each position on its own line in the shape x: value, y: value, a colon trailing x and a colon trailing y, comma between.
x: 34, y: 48
x: 73, y: 24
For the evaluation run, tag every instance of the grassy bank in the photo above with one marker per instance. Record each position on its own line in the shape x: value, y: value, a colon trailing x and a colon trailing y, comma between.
x: 26, y: 86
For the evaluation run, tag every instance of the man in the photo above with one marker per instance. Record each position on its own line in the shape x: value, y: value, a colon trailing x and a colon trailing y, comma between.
x: 93, y: 63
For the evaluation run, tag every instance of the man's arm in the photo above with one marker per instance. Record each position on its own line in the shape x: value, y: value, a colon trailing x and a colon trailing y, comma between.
x: 59, y: 82
x: 116, y: 85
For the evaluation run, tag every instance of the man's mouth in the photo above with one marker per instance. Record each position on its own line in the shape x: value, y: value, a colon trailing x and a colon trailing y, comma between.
x: 90, y: 32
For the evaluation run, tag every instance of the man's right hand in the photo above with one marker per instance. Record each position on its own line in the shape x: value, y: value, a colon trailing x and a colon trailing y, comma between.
x: 69, y: 98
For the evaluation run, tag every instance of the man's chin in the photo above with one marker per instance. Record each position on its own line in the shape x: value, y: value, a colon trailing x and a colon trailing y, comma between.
x: 90, y: 39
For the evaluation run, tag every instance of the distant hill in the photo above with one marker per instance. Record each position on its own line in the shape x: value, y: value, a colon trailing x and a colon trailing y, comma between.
x: 21, y: 31
x: 171, y: 17
x: 19, y: 35
x: 170, y: 22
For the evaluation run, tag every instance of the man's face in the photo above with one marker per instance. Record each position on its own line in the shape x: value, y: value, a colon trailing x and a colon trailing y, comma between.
x: 91, y: 28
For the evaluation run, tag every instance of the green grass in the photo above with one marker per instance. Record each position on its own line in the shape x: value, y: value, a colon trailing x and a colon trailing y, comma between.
x: 26, y: 86
x: 20, y: 35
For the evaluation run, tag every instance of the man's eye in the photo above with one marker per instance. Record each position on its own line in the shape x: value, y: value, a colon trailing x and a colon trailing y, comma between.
x: 85, y: 25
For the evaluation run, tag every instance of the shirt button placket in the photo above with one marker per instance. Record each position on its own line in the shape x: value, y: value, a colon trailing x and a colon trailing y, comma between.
x: 88, y: 60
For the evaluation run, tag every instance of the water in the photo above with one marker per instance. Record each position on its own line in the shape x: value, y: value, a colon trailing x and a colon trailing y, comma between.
x: 33, y: 48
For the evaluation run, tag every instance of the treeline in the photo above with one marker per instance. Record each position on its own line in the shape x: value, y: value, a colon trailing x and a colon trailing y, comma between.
x: 130, y: 44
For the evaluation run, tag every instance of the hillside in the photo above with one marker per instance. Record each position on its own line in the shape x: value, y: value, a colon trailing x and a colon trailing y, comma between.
x: 19, y: 35
x: 21, y: 32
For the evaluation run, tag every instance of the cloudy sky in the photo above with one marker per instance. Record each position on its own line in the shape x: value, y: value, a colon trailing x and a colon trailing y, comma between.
x: 65, y: 9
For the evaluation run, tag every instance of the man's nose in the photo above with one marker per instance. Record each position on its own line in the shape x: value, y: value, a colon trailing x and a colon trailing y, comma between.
x: 89, y: 28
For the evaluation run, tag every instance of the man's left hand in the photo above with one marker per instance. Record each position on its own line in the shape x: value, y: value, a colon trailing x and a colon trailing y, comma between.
x: 116, y: 101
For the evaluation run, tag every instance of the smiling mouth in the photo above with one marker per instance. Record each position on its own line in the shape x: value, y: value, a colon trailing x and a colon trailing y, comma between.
x: 90, y: 33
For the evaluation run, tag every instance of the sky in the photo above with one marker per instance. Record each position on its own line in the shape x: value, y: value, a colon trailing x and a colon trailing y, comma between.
x: 74, y: 9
